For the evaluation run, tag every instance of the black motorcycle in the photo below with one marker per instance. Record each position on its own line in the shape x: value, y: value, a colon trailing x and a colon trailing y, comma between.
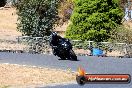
x: 64, y: 50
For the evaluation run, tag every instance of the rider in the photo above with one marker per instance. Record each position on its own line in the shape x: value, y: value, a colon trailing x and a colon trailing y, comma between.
x: 54, y: 39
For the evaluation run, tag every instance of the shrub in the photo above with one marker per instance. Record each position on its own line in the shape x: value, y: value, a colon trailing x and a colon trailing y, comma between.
x: 2, y: 3
x: 37, y: 17
x: 94, y: 19
x: 65, y: 11
x: 122, y: 34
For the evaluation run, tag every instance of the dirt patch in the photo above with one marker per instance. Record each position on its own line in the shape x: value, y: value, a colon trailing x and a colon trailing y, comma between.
x: 15, y: 75
x: 8, y: 24
x: 8, y: 18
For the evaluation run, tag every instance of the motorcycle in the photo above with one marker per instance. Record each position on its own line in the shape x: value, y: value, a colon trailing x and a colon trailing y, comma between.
x: 64, y: 50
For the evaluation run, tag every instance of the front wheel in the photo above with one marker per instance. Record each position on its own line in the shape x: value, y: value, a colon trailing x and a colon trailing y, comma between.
x: 72, y: 55
x: 62, y: 58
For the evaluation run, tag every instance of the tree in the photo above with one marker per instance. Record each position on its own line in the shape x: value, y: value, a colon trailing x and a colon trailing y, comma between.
x: 2, y: 3
x: 122, y: 34
x: 37, y: 17
x: 65, y: 11
x: 123, y: 4
x: 94, y: 19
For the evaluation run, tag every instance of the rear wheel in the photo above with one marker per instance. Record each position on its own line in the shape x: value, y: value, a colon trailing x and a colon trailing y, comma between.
x: 72, y: 55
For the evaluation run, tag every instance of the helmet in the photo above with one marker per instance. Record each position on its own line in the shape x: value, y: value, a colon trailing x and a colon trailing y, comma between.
x: 54, y: 35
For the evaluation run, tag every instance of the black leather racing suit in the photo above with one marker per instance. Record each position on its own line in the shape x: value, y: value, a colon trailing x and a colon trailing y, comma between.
x: 54, y: 40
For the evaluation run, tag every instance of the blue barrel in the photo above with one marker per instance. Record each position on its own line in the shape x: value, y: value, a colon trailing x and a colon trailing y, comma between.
x: 97, y: 52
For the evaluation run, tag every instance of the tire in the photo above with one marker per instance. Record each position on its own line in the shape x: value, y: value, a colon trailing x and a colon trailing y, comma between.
x: 61, y: 57
x: 72, y: 55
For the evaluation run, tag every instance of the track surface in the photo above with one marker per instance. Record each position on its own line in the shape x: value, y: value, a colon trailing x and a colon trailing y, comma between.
x: 92, y: 65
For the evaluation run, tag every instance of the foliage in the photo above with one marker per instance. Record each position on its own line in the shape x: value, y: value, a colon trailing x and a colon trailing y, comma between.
x: 94, y: 19
x: 65, y: 10
x: 122, y: 34
x: 123, y: 4
x: 36, y: 17
x: 35, y: 44
x: 2, y: 3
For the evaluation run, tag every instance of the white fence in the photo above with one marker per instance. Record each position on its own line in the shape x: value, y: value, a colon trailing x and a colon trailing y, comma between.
x: 41, y: 45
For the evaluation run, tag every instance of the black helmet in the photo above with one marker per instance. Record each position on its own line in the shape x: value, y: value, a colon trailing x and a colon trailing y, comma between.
x: 54, y: 35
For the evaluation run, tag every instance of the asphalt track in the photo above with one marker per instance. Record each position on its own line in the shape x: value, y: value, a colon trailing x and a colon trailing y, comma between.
x: 92, y: 65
